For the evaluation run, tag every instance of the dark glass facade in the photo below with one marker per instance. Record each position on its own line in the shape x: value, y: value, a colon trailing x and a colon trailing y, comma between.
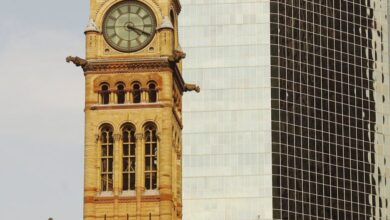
x: 292, y: 121
x: 327, y: 63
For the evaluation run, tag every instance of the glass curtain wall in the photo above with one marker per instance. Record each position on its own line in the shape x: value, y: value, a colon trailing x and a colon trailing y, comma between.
x: 329, y: 109
x: 320, y: 71
x: 227, y: 142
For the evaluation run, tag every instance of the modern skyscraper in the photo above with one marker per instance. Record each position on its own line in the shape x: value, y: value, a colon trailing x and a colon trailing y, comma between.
x: 293, y: 120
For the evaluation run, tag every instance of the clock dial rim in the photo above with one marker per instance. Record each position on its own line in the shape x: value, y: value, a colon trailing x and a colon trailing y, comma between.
x: 130, y: 49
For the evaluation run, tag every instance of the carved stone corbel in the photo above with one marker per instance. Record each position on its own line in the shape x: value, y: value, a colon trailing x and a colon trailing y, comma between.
x: 77, y: 61
x: 191, y: 87
x: 178, y: 54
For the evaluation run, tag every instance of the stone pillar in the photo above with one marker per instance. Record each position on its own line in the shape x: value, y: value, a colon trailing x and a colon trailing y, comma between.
x: 131, y: 100
x: 97, y: 162
x: 166, y: 38
x: 165, y: 168
x: 127, y: 96
x: 180, y: 184
x: 116, y: 167
x: 91, y: 44
x: 91, y: 175
x: 99, y: 98
x: 139, y: 187
x: 144, y: 95
x: 112, y: 97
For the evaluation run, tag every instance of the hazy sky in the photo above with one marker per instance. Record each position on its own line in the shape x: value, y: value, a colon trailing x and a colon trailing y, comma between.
x: 41, y: 110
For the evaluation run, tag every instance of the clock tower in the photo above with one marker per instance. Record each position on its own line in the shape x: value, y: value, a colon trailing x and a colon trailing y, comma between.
x: 133, y: 110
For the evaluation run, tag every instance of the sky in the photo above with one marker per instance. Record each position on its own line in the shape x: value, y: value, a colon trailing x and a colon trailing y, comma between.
x: 41, y: 109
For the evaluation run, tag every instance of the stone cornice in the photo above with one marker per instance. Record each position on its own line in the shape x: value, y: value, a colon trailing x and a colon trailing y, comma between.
x: 128, y: 106
x: 131, y: 65
x: 126, y: 65
x: 157, y: 64
x: 125, y: 199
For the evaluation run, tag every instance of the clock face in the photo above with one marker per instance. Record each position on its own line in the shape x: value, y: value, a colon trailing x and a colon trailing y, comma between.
x: 129, y: 26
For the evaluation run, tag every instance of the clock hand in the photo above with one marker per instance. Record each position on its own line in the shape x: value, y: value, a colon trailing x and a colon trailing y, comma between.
x: 139, y: 30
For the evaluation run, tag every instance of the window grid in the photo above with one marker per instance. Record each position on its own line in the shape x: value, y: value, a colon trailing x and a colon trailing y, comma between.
x: 107, y: 157
x: 129, y: 158
x: 150, y: 157
x: 323, y: 109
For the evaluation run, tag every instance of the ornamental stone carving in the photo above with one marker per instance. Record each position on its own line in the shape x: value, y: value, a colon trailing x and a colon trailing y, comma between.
x: 139, y: 136
x: 77, y: 61
x: 191, y: 87
x: 117, y: 137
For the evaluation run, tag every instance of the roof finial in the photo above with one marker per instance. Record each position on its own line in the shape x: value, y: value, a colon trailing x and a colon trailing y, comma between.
x: 166, y: 24
x: 91, y: 26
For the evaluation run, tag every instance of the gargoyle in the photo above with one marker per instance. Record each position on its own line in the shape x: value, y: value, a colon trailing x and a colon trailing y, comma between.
x: 77, y: 61
x: 191, y: 87
x: 178, y: 55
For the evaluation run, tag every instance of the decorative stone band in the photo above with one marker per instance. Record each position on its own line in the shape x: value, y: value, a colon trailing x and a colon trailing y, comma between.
x: 122, y: 66
x: 126, y: 106
x: 108, y: 66
x: 126, y: 199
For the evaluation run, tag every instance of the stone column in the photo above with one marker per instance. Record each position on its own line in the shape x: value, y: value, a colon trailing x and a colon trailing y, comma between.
x: 117, y: 147
x: 112, y: 97
x: 144, y: 95
x: 139, y: 187
x: 127, y: 96
x: 98, y: 165
x: 165, y: 169
x: 131, y: 96
x: 91, y: 171
x: 99, y: 98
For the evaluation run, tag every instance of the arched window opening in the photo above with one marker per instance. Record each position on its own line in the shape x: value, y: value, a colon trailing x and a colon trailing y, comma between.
x: 107, y: 157
x: 120, y: 93
x: 129, y: 158
x: 151, y: 157
x: 136, y: 93
x: 152, y: 92
x: 105, y: 94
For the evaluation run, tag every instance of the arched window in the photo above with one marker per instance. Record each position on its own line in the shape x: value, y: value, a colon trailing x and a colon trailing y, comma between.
x: 105, y: 94
x: 120, y: 92
x: 152, y: 92
x: 136, y: 93
x: 129, y: 159
x: 151, y: 157
x: 107, y: 157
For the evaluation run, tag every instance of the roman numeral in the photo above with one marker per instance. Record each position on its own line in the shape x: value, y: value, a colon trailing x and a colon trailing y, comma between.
x: 138, y: 10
